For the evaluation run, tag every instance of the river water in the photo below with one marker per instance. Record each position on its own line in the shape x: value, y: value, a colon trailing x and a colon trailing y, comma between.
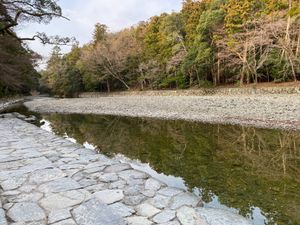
x: 254, y: 172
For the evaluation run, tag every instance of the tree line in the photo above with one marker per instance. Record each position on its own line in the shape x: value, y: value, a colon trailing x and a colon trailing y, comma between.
x: 207, y: 43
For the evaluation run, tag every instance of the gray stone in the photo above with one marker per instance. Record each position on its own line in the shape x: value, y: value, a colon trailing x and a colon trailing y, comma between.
x: 63, y: 200
x: 146, y: 210
x: 186, y: 199
x: 29, y: 197
x: 7, y: 206
x: 164, y: 217
x: 26, y: 212
x: 37, y: 223
x: 59, y: 215
x: 97, y: 187
x: 152, y: 184
x: 138, y: 220
x: 174, y: 222
x: 222, y: 217
x: 188, y: 216
x: 133, y: 190
x: 108, y: 177
x: 132, y: 174
x: 60, y: 185
x: 37, y: 164
x: 159, y: 201
x: 117, y: 168
x: 87, y: 182
x: 10, y: 193
x: 13, y: 183
x: 27, y: 188
x: 109, y: 196
x: 121, y: 209
x: 134, y: 200
x: 149, y: 193
x: 46, y: 175
x: 98, y: 164
x: 120, y: 184
x: 95, y: 212
x: 2, y: 218
x: 168, y: 191
x: 66, y: 222
x: 94, y: 170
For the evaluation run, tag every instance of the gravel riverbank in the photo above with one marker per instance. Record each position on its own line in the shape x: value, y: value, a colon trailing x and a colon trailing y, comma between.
x: 268, y: 111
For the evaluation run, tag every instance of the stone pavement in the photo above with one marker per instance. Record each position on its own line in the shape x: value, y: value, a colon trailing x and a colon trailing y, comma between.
x: 46, y: 179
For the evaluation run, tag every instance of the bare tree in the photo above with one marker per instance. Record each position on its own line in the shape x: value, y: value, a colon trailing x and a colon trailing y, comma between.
x: 14, y: 12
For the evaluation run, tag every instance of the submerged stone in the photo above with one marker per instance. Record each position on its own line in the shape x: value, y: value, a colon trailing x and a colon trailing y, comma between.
x: 222, y: 217
x: 188, y: 216
x: 186, y: 199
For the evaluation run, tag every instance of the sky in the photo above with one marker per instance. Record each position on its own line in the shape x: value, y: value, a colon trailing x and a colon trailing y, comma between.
x: 84, y: 14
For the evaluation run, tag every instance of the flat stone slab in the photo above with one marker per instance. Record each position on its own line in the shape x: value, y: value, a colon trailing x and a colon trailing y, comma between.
x: 60, y: 185
x: 2, y: 217
x: 222, y: 217
x: 109, y: 196
x: 95, y: 212
x: 188, y: 216
x: 26, y: 212
x: 46, y: 179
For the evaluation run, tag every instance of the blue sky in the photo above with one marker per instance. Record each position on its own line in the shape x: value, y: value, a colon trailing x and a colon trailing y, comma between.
x: 84, y: 14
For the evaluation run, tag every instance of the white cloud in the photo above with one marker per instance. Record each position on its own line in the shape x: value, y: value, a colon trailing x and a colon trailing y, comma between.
x: 116, y: 14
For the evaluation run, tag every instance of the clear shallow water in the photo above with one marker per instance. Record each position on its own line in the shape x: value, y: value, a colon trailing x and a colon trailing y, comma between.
x: 255, y: 172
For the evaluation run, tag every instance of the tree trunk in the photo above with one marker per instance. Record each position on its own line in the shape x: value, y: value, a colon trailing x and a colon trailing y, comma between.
x: 298, y: 45
x: 218, y: 73
x: 287, y: 31
x: 108, y: 86
x: 244, y: 64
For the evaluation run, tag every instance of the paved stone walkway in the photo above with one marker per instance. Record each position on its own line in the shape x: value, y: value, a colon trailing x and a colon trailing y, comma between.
x: 46, y: 179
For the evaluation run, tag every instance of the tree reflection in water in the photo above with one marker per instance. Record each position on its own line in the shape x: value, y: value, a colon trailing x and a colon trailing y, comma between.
x: 248, y: 169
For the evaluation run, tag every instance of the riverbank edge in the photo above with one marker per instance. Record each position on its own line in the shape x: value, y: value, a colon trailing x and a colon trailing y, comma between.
x: 115, y: 106
x: 5, y: 103
x: 200, y: 92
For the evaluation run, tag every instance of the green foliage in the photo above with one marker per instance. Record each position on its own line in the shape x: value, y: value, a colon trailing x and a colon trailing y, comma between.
x: 61, y: 77
x: 100, y: 32
x: 177, y: 81
x: 17, y: 73
x: 207, y: 42
x: 277, y: 68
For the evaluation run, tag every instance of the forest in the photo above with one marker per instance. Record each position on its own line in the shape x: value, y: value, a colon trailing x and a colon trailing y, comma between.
x: 207, y: 43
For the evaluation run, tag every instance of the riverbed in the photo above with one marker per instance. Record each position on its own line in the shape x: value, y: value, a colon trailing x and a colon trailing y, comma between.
x: 266, y: 111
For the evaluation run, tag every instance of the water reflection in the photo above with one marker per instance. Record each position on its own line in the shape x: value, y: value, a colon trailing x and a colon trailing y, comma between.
x: 252, y: 171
